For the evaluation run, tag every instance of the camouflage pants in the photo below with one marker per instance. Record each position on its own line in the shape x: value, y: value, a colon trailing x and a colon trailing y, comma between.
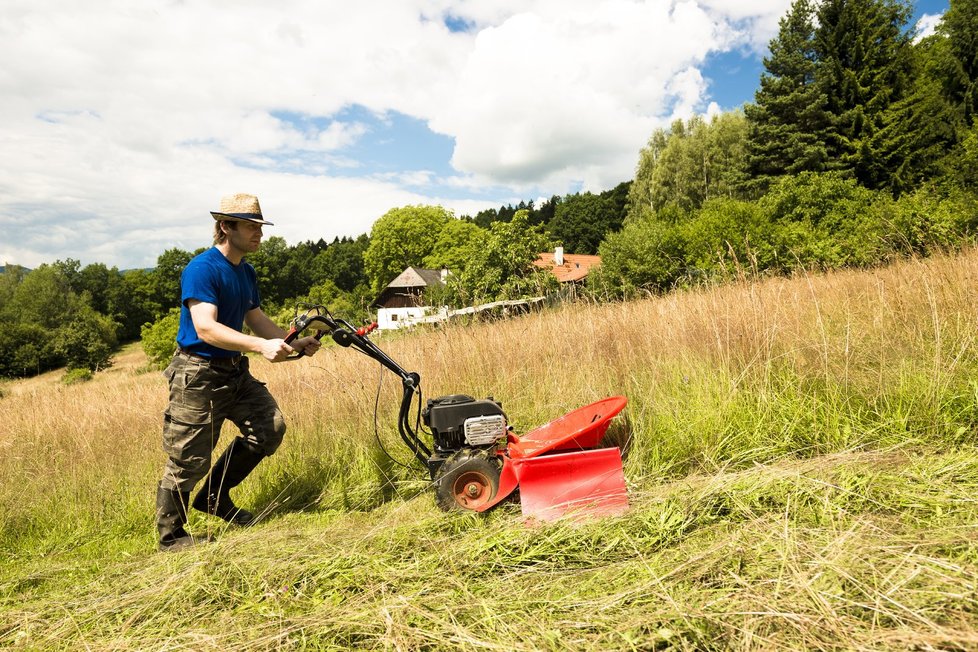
x: 202, y: 396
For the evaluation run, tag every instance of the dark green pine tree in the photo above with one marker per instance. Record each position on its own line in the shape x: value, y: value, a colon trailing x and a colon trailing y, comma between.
x: 960, y: 26
x: 865, y: 66
x: 919, y: 130
x: 787, y: 122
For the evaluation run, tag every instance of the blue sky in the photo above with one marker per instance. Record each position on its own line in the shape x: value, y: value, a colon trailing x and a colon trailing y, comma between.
x: 123, y: 123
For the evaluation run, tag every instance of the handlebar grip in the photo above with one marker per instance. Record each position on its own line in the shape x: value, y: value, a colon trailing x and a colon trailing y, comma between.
x: 291, y: 335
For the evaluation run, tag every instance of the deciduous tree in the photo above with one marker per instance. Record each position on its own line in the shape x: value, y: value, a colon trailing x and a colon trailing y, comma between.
x: 401, y: 238
x: 500, y: 264
x: 452, y: 248
x: 166, y: 277
x: 695, y: 161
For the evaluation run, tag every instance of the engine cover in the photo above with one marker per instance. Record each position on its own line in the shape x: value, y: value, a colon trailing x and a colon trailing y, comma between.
x: 460, y: 420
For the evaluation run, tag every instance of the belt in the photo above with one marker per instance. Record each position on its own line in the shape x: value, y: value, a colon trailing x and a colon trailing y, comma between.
x: 233, y: 361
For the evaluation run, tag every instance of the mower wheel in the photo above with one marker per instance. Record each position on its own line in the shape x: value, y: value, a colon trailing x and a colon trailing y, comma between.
x: 467, y: 480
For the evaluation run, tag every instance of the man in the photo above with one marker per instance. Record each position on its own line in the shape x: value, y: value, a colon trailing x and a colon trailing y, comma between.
x: 209, y: 378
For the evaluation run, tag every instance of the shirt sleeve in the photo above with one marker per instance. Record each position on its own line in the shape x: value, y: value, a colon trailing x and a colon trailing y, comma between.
x: 197, y: 283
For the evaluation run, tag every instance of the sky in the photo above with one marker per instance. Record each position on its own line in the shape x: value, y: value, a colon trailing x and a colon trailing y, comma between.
x: 122, y: 124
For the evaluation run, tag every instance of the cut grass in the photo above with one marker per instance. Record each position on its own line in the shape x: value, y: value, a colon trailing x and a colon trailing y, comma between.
x: 857, y: 550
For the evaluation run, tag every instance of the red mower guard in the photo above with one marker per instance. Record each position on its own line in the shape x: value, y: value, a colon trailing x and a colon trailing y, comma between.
x: 558, y: 469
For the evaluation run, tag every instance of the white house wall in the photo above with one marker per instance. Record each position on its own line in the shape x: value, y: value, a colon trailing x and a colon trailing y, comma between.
x: 390, y: 318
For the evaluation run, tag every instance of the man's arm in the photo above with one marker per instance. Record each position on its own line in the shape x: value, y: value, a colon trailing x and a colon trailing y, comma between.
x: 261, y: 324
x: 269, y: 343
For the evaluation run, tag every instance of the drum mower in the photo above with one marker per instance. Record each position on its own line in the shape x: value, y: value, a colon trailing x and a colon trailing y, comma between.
x: 476, y: 461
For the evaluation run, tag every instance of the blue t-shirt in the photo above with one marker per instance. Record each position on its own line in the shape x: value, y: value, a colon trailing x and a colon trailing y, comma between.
x: 212, y: 278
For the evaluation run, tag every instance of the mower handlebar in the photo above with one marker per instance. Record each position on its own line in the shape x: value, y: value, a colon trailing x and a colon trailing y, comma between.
x: 347, y: 335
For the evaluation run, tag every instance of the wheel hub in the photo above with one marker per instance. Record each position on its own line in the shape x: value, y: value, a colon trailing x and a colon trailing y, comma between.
x: 471, y: 489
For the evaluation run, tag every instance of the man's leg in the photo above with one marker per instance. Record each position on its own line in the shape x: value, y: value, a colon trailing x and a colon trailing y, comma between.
x: 171, y: 516
x: 262, y: 427
x: 190, y: 431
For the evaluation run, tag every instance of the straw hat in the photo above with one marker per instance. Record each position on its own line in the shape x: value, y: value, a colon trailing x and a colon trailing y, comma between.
x: 240, y: 208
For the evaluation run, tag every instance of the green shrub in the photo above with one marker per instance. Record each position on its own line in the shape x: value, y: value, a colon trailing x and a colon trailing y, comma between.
x: 28, y: 349
x: 928, y: 221
x: 969, y: 157
x: 725, y: 236
x: 87, y: 341
x: 806, y: 221
x: 76, y: 375
x: 823, y: 220
x: 647, y: 253
x: 159, y: 339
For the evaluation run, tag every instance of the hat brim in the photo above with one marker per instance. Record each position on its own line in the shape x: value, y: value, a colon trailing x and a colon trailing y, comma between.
x: 240, y: 217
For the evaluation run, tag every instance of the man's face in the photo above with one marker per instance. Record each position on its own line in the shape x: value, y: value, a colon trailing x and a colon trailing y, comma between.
x: 245, y: 236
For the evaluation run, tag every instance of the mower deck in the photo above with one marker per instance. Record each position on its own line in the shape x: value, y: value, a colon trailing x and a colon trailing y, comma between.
x: 558, y: 468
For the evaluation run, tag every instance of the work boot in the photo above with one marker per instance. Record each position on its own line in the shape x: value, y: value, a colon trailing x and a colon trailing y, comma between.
x: 234, y: 465
x: 171, y: 516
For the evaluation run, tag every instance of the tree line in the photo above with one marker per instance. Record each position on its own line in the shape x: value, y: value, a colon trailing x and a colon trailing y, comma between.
x: 860, y: 146
x: 63, y: 314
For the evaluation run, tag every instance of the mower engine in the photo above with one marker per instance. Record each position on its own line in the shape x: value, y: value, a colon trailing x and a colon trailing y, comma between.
x: 466, y: 433
x: 459, y: 420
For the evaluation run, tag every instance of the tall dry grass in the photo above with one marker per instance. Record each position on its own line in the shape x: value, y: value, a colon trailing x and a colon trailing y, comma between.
x: 714, y: 376
x: 800, y: 459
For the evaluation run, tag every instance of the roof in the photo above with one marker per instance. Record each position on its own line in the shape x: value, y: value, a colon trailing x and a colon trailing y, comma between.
x: 408, y: 285
x: 415, y: 277
x: 575, y: 267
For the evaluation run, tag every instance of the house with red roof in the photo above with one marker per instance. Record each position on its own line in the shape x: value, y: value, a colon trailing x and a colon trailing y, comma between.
x: 568, y: 268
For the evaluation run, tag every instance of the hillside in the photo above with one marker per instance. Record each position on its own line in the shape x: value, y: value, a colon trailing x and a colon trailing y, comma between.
x: 800, y: 455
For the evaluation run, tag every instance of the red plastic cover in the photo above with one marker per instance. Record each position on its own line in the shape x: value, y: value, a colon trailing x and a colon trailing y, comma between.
x: 578, y: 430
x: 585, y: 483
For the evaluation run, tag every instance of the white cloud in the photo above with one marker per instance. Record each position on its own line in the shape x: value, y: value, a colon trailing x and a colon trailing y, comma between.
x: 753, y: 23
x: 927, y: 25
x: 123, y: 123
x: 568, y: 97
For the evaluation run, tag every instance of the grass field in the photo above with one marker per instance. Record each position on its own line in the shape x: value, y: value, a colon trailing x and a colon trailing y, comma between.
x: 800, y: 455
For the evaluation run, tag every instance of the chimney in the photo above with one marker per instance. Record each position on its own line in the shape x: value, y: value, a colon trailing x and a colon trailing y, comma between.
x: 559, y: 256
x: 444, y: 274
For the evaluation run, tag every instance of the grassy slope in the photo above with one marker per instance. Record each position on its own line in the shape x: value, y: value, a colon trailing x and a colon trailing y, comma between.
x: 800, y: 457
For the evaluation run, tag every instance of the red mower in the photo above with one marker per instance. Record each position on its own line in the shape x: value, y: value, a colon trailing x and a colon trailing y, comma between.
x: 475, y: 460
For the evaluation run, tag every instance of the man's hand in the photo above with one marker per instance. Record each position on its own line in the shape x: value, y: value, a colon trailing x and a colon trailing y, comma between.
x: 308, y: 345
x: 276, y: 350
